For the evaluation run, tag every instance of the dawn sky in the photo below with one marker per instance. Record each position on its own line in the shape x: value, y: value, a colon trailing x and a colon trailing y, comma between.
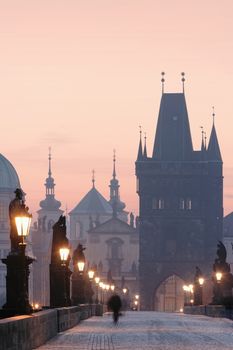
x: 81, y: 76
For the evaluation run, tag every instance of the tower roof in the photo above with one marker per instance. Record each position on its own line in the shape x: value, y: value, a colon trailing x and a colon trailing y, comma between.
x: 213, y: 147
x: 92, y: 203
x: 173, y: 138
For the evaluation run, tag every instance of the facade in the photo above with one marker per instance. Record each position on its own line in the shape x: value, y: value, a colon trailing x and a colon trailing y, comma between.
x: 181, y: 207
x: 113, y: 247
x: 9, y: 181
x: 42, y: 234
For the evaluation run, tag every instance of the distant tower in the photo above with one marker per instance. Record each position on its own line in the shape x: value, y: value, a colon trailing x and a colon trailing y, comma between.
x: 181, y: 207
x: 115, y: 201
x: 42, y: 239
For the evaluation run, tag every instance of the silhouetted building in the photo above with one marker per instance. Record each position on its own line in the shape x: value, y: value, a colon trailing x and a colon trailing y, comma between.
x: 113, y: 246
x: 94, y: 209
x: 42, y: 234
x: 181, y: 206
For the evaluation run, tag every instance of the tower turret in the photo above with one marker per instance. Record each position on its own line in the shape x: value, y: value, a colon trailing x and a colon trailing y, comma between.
x: 115, y: 201
x: 213, y: 147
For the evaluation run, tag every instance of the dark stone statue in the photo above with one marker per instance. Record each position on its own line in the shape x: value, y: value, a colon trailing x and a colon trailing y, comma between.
x: 59, y: 272
x: 222, y: 290
x: 78, y: 252
x: 59, y: 239
x: 15, y: 208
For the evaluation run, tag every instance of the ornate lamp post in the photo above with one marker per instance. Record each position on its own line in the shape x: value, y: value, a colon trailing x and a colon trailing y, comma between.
x: 78, y: 281
x: 198, y: 287
x: 17, y: 301
x: 59, y: 267
x: 97, y: 281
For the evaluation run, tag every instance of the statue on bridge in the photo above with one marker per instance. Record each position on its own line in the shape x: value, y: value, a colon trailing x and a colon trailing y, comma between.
x: 222, y: 277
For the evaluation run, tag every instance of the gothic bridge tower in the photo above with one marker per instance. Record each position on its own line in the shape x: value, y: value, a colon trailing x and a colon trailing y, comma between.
x: 181, y: 206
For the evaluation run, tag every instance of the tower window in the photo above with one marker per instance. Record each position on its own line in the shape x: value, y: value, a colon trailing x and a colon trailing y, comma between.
x: 182, y: 204
x: 188, y: 204
x: 158, y: 203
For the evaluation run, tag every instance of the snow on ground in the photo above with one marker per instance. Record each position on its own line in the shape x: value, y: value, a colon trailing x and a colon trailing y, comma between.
x: 149, y: 331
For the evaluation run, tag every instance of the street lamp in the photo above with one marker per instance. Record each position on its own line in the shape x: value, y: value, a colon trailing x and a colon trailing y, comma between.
x: 218, y: 276
x: 17, y: 300
x: 64, y: 253
x: 23, y: 225
x: 79, y: 280
x: 124, y: 290
x: 91, y: 274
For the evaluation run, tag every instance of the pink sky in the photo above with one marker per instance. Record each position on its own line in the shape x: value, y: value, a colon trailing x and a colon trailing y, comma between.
x: 80, y: 76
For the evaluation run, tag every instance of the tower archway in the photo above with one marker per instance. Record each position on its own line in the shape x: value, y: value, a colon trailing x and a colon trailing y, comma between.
x: 169, y: 296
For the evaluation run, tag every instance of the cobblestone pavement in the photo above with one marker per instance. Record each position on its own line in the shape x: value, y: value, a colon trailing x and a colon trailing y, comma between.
x: 149, y: 331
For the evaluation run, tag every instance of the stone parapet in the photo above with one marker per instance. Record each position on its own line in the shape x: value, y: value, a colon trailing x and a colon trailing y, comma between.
x: 30, y: 332
x: 209, y: 310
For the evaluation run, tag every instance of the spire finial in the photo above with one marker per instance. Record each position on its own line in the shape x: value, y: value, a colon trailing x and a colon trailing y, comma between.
x: 50, y: 172
x: 202, y: 138
x: 145, y: 148
x: 183, y: 80
x: 162, y: 81
x: 93, y: 178
x: 213, y: 114
x: 140, y: 131
x: 205, y: 140
x: 114, y: 164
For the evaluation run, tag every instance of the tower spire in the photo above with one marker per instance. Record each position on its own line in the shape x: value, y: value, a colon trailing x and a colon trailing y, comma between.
x: 50, y: 172
x: 202, y: 138
x: 213, y: 147
x: 213, y: 114
x: 162, y: 81
x: 140, y: 144
x: 145, y: 148
x: 114, y: 165
x: 93, y: 178
x: 183, y: 80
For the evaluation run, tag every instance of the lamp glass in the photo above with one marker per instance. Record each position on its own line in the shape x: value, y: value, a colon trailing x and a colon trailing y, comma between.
x: 64, y: 253
x: 218, y: 276
x: 124, y: 290
x: 23, y: 225
x: 91, y: 274
x: 97, y: 280
x: 81, y: 265
x: 112, y: 287
x: 201, y: 281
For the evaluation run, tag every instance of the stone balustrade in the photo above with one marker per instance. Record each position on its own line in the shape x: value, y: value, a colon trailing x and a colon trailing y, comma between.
x: 29, y: 332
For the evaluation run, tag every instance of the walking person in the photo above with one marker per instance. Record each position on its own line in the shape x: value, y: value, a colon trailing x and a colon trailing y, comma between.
x: 115, y: 304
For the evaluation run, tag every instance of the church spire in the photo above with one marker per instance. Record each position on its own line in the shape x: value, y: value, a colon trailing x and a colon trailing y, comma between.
x: 183, y: 80
x: 114, y: 165
x: 202, y: 139
x: 145, y: 148
x: 50, y: 203
x: 213, y: 147
x: 140, y: 144
x: 93, y: 178
x: 49, y: 182
x: 114, y: 189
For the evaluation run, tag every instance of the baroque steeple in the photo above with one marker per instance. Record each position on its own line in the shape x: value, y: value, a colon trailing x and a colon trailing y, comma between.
x: 50, y: 202
x: 114, y: 189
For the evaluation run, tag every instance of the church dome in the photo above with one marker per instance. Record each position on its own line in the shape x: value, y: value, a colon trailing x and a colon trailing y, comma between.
x: 9, y: 179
